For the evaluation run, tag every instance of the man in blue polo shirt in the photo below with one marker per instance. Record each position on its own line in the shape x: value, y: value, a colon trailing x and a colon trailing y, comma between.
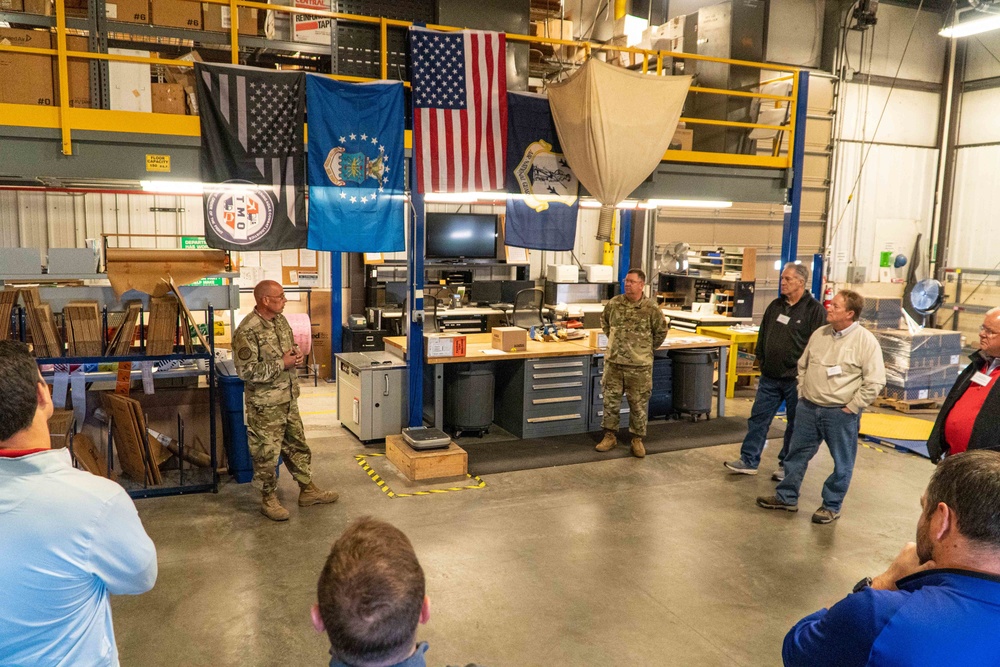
x: 939, y: 601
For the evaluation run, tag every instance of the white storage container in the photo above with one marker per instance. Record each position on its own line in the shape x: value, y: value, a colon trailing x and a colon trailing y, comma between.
x: 599, y: 273
x: 563, y: 273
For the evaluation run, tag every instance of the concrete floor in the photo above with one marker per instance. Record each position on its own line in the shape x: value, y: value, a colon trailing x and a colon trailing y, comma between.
x: 662, y: 561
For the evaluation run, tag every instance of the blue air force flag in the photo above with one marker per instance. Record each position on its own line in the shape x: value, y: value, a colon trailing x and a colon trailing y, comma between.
x: 252, y: 157
x: 542, y: 202
x: 356, y: 191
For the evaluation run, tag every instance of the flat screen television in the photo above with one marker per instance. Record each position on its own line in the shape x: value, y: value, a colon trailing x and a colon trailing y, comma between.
x: 461, y: 236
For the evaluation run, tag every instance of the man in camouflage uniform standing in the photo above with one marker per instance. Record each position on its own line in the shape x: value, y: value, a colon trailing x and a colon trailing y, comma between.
x: 635, y: 327
x: 266, y: 356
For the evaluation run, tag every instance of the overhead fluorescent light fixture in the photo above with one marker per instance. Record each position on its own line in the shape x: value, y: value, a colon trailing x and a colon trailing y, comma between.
x: 968, y: 21
x: 627, y: 204
x: 173, y: 187
x: 691, y: 203
x: 463, y: 197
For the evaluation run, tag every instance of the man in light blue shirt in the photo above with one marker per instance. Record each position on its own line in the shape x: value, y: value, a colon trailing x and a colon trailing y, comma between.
x: 69, y: 539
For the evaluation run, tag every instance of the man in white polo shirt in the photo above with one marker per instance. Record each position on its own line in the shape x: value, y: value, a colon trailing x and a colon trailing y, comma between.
x: 840, y: 373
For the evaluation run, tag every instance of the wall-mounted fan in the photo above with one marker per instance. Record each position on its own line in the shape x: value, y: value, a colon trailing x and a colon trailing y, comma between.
x: 672, y: 257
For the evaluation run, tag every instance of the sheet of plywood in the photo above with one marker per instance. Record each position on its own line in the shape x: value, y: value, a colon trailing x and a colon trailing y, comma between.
x: 145, y: 269
x: 128, y: 439
x: 162, y: 329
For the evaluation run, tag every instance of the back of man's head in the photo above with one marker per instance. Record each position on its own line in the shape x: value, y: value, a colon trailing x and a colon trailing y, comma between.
x: 20, y: 379
x: 371, y: 593
x: 969, y: 484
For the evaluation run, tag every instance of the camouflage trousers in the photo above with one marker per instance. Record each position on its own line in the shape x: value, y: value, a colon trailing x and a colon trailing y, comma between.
x: 634, y: 383
x: 274, y: 430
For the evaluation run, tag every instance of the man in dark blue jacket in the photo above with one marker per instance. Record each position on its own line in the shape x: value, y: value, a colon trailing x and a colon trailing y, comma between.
x: 788, y: 323
x: 939, y: 601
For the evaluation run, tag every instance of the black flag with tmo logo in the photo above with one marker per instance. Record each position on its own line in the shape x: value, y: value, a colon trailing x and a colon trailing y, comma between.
x: 252, y: 157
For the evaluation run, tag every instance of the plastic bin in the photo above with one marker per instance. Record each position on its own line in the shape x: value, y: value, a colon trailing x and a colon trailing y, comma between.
x: 692, y: 378
x: 234, y: 431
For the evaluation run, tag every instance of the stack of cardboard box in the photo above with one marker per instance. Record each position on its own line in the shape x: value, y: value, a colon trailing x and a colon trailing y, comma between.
x: 920, y: 366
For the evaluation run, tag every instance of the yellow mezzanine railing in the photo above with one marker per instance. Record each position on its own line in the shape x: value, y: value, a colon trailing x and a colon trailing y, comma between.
x: 67, y: 118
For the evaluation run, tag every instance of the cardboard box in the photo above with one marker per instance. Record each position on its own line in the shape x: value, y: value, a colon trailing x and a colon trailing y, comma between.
x: 27, y: 79
x: 60, y: 428
x: 79, y: 73
x: 176, y: 14
x: 683, y: 140
x: 40, y: 7
x: 11, y: 6
x: 510, y: 339
x: 217, y: 19
x: 444, y: 345
x: 598, y: 339
x: 128, y: 11
x: 428, y: 464
x: 169, y: 98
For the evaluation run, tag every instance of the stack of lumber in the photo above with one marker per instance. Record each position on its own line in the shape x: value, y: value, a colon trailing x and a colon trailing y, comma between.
x: 187, y: 322
x: 89, y: 458
x: 162, y: 329
x: 128, y: 430
x: 83, y: 329
x: 121, y: 340
x: 8, y: 299
x: 41, y: 325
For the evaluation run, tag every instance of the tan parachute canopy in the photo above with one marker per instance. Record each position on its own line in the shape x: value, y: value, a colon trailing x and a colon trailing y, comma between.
x: 614, y: 126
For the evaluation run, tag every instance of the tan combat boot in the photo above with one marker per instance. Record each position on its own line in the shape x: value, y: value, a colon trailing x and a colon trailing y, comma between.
x: 272, y: 509
x: 609, y: 442
x: 638, y: 450
x: 312, y: 495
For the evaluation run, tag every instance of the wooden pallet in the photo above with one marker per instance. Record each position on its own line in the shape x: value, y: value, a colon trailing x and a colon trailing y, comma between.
x: 922, y: 406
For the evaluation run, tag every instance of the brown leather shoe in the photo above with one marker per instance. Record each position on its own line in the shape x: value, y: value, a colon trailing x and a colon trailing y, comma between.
x: 638, y: 450
x: 272, y: 509
x: 312, y: 495
x: 609, y: 442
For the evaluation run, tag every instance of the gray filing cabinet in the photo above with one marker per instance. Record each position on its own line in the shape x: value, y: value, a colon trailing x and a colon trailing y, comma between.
x: 371, y: 394
x: 544, y: 397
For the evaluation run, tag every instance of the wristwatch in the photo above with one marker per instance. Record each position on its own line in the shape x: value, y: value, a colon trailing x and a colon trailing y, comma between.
x: 862, y: 585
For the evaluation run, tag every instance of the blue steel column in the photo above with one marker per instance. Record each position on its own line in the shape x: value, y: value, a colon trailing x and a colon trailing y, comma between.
x: 415, y: 298
x: 625, y: 247
x: 790, y: 232
x: 336, y: 306
x: 817, y: 286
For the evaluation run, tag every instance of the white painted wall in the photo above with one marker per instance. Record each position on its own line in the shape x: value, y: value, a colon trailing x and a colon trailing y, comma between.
x: 892, y: 203
x: 981, y: 56
x: 910, y: 118
x: 979, y: 117
x: 974, y: 215
x: 924, y: 59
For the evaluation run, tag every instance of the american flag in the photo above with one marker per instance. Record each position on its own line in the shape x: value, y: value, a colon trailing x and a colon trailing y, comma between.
x: 460, y: 109
x: 253, y: 131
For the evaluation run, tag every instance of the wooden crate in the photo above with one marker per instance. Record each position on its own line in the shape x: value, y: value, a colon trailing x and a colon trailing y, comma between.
x: 430, y: 464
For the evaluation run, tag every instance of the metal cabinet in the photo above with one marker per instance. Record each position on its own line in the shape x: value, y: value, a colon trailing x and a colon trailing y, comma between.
x: 544, y: 397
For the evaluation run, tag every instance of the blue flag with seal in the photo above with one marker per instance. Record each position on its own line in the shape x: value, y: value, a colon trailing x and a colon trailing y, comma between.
x: 542, y: 201
x: 356, y: 192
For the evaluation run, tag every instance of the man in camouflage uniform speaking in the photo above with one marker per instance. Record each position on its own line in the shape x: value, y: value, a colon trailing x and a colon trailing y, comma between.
x: 635, y: 327
x: 266, y: 356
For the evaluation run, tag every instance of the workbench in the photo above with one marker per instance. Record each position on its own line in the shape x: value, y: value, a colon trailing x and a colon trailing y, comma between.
x: 560, y: 383
x: 736, y: 337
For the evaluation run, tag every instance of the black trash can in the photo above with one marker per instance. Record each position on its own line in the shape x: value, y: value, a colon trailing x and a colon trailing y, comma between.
x: 693, y: 374
x: 234, y: 430
x: 468, y: 405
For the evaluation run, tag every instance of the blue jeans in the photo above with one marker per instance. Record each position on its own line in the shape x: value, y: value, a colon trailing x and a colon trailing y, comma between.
x: 813, y: 425
x: 770, y: 393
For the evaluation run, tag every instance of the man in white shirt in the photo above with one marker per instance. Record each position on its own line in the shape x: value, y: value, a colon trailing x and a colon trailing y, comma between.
x: 68, y: 539
x: 840, y: 373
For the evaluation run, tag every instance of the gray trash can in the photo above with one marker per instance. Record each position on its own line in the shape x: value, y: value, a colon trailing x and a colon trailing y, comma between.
x: 468, y: 405
x: 693, y: 372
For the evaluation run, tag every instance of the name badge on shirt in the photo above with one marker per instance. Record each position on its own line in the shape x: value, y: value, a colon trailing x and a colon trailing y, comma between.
x: 833, y: 371
x: 783, y: 319
x: 980, y: 378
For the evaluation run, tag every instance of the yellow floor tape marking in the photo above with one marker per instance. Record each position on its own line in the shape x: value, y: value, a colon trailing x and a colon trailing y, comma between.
x: 360, y: 458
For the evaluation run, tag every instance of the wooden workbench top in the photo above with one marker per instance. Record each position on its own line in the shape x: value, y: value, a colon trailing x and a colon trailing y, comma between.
x: 475, y: 344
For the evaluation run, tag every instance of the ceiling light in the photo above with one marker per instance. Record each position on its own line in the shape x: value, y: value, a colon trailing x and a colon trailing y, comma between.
x: 691, y: 203
x: 173, y: 187
x: 958, y: 27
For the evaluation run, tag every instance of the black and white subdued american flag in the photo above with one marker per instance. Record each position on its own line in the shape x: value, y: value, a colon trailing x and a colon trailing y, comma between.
x: 460, y: 109
x: 253, y: 130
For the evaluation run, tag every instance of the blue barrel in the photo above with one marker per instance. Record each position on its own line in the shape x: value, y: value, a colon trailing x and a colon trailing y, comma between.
x: 234, y: 431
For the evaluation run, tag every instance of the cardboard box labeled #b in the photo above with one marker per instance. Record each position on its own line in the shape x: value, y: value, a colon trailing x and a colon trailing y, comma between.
x: 444, y: 345
x: 510, y: 339
x: 128, y: 11
x: 27, y: 78
x: 174, y: 14
x: 169, y: 98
